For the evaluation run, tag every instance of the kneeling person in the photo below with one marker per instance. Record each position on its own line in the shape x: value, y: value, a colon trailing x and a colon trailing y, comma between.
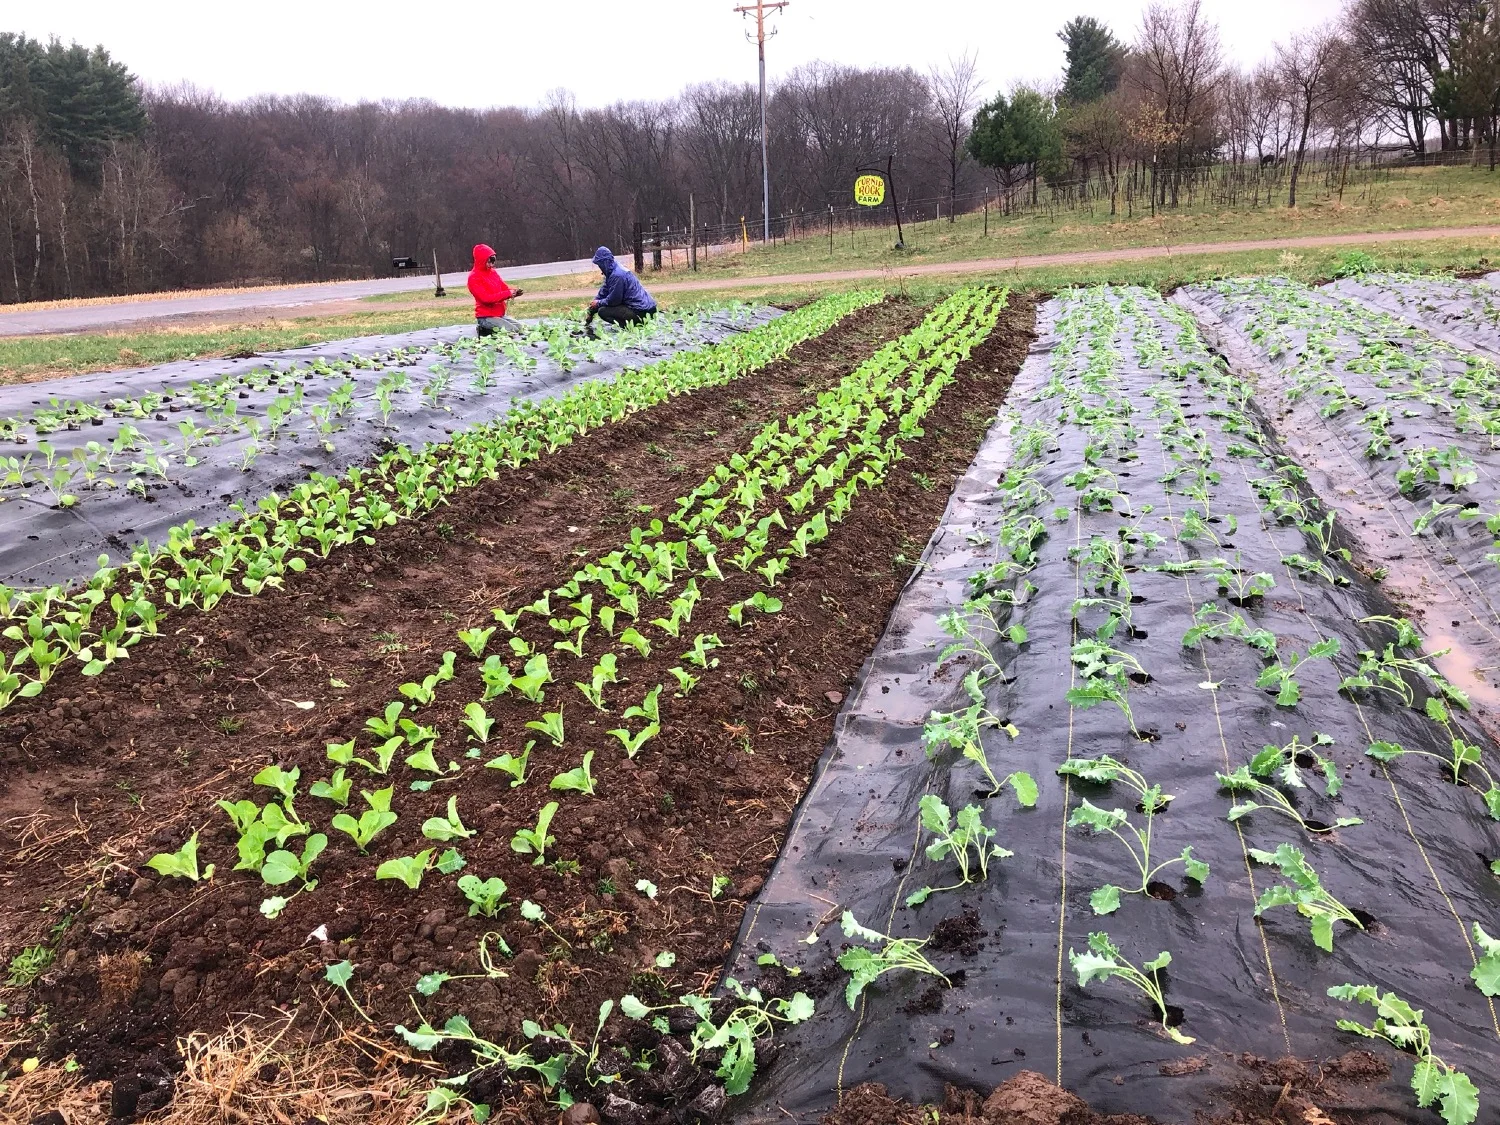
x: 622, y: 299
x: 490, y: 294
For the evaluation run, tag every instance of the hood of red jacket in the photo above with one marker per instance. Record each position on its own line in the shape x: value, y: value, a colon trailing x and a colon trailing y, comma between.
x: 482, y: 254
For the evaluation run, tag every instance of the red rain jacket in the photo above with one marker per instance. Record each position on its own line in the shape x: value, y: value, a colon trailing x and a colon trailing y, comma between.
x: 489, y: 289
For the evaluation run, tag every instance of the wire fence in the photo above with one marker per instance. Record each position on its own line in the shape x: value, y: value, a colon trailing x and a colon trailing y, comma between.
x: 1128, y: 190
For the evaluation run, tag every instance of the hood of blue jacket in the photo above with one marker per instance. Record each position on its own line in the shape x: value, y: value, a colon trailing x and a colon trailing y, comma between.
x: 604, y: 260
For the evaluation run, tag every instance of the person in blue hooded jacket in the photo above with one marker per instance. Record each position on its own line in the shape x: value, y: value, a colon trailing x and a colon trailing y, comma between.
x: 622, y: 299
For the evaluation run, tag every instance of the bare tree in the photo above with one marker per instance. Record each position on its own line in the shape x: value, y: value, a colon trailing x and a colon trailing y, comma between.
x: 1306, y: 67
x: 1178, y: 67
x: 955, y: 94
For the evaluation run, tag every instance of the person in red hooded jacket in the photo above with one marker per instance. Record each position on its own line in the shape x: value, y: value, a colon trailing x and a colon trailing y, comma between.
x: 490, y: 294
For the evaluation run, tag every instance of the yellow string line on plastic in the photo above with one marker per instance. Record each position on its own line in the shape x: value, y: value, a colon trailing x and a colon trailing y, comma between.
x: 1239, y: 832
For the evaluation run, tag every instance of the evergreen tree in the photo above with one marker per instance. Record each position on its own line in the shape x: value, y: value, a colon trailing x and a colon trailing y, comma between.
x: 79, y: 99
x: 1095, y: 60
x: 1022, y: 130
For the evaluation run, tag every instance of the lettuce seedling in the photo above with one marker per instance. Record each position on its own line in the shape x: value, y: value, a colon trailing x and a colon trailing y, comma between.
x: 513, y: 765
x: 242, y: 814
x: 283, y: 781
x: 703, y: 643
x: 1306, y: 893
x: 630, y: 636
x: 551, y: 724
x: 181, y: 864
x: 685, y: 681
x: 478, y: 722
x: 484, y: 895
x: 408, y: 868
x: 335, y: 789
x: 633, y: 742
x: 579, y: 778
x: 385, y: 726
x: 496, y: 676
x: 445, y: 829
x: 284, y: 866
x: 535, y: 841
x: 649, y: 708
x: 371, y: 823
x: 865, y: 966
x: 476, y: 640
x: 451, y: 862
x: 535, y: 677
x: 1103, y: 960
x: 1403, y: 1026
x: 423, y: 759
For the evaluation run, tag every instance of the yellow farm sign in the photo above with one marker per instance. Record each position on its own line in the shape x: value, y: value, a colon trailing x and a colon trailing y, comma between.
x: 869, y: 191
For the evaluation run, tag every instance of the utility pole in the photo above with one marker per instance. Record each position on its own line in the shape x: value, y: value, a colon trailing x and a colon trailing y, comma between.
x: 760, y: 7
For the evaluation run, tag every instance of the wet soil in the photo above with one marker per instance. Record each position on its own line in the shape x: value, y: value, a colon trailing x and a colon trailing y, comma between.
x: 1256, y: 1091
x: 103, y: 773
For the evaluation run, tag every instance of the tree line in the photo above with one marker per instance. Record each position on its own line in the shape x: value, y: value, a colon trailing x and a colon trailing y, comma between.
x: 110, y: 187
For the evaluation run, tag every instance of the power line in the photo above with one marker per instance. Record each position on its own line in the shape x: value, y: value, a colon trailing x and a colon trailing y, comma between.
x: 760, y: 8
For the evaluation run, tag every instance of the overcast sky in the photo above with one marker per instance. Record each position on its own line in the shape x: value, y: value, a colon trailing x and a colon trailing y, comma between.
x: 509, y: 53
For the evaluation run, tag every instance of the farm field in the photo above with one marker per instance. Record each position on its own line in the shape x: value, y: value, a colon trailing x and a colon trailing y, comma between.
x: 1076, y: 697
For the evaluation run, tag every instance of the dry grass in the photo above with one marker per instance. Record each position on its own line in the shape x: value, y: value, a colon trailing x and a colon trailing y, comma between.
x: 259, y: 1072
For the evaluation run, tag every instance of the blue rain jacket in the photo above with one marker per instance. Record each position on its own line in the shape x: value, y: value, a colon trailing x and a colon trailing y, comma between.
x: 621, y: 287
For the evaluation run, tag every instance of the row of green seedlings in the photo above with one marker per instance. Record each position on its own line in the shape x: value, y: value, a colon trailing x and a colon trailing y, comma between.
x: 397, y: 733
x: 1395, y: 666
x: 1103, y: 959
x: 1402, y: 671
x: 58, y: 474
x: 99, y: 622
x: 1409, y: 366
x: 866, y: 390
x: 217, y: 397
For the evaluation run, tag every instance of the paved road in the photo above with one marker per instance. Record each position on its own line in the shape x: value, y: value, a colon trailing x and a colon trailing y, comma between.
x: 113, y: 314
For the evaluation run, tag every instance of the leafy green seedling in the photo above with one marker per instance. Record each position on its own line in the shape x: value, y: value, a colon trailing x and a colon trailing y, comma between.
x: 479, y: 723
x: 579, y: 778
x: 408, y: 868
x: 1282, y: 761
x: 1486, y: 973
x: 685, y: 681
x: 339, y: 975
x: 384, y: 726
x: 371, y: 823
x: 284, y: 866
x: 444, y: 829
x: 1306, y: 893
x: 1103, y: 960
x: 551, y: 725
x: 865, y: 965
x: 283, y: 781
x: 956, y: 839
x: 630, y: 636
x: 1106, y: 899
x: 515, y: 766
x: 535, y: 841
x: 1263, y: 795
x: 335, y: 789
x: 1403, y: 1026
x: 181, y: 864
x: 476, y: 640
x: 485, y: 895
x: 633, y: 742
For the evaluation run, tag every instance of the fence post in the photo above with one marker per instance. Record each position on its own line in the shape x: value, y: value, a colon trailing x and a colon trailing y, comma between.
x: 692, y: 233
x: 640, y: 258
x: 655, y: 246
